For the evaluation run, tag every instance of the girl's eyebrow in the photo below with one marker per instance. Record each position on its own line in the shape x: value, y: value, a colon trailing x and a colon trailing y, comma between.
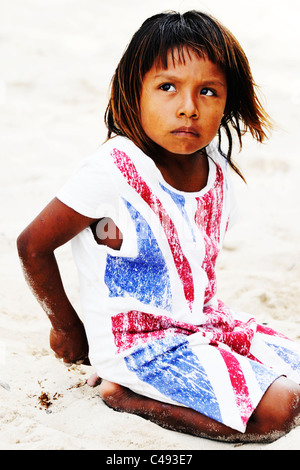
x: 173, y: 78
x: 214, y: 83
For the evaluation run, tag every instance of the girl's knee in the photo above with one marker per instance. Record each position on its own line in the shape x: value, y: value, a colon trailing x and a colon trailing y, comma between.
x: 286, y: 401
x: 278, y: 410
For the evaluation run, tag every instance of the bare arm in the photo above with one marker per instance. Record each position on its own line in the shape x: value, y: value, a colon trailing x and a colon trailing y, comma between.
x: 54, y: 226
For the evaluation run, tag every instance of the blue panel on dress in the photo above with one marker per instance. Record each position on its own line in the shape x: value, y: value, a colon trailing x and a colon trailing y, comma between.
x: 292, y: 358
x: 145, y: 277
x: 263, y: 375
x: 169, y: 365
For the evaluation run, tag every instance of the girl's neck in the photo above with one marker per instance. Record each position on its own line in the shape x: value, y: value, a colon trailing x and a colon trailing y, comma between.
x: 188, y: 173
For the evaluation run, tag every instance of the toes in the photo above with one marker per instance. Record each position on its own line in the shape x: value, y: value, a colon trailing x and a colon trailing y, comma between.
x: 94, y: 380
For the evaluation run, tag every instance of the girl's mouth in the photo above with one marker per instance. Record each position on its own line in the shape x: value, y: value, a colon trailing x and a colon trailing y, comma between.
x: 186, y: 132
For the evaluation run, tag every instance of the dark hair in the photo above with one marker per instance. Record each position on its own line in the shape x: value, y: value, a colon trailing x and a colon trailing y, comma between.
x: 204, y: 35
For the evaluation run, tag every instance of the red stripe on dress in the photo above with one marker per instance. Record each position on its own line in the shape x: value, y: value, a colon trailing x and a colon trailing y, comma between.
x: 239, y: 385
x: 269, y: 331
x: 129, y: 171
x: 208, y: 220
x: 134, y: 327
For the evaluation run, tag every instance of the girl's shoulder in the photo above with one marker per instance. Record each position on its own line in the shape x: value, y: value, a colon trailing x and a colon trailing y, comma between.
x: 94, y: 181
x: 229, y: 194
x: 102, y: 154
x: 99, y: 164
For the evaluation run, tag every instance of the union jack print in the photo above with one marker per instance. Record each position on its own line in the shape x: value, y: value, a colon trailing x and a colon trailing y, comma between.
x: 152, y: 317
x: 128, y: 169
x: 216, y: 366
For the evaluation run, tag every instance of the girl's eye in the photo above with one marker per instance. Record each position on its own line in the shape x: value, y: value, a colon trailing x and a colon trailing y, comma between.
x: 207, y: 92
x: 167, y: 87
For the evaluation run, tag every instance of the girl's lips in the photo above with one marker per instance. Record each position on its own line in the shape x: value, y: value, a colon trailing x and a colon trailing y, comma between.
x: 186, y: 131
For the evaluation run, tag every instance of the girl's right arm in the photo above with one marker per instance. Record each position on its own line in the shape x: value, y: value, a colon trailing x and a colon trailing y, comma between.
x: 54, y: 226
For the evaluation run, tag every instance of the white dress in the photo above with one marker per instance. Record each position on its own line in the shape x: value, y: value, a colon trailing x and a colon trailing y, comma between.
x: 152, y: 317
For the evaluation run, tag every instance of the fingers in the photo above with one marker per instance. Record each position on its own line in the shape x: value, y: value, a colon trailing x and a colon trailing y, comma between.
x: 69, y: 364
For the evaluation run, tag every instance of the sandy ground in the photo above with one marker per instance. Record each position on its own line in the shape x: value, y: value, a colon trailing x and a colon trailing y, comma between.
x: 57, y: 58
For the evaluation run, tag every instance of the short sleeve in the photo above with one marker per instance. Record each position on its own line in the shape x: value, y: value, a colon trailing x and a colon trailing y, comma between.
x: 91, y: 189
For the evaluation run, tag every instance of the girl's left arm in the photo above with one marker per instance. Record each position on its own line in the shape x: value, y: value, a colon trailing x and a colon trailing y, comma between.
x: 53, y: 227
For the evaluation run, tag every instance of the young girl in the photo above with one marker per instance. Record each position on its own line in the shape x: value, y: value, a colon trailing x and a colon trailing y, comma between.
x: 147, y: 214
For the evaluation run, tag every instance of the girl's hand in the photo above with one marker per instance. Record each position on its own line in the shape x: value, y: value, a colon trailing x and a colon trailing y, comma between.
x: 70, y: 345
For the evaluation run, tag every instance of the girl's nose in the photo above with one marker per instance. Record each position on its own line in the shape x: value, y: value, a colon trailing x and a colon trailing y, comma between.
x: 188, y: 108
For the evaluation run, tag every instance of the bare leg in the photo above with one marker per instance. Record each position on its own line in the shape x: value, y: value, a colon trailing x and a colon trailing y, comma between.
x: 275, y: 415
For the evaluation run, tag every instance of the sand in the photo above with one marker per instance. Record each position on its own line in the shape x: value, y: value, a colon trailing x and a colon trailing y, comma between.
x: 57, y: 58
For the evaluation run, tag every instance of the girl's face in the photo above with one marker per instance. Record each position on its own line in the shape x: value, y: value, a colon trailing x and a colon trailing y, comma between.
x: 181, y: 107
